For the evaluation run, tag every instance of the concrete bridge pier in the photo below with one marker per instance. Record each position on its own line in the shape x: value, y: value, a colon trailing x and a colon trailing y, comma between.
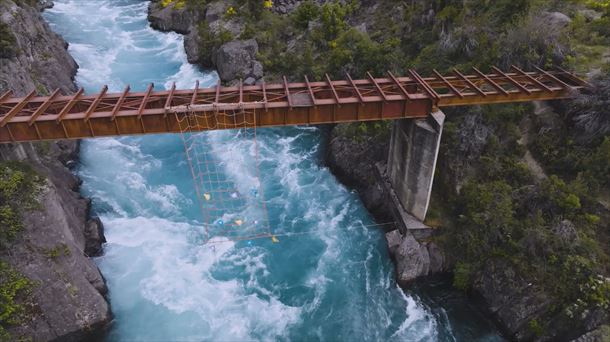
x: 412, y: 160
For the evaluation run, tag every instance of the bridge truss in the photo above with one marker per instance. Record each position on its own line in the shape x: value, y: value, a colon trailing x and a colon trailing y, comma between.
x: 76, y: 116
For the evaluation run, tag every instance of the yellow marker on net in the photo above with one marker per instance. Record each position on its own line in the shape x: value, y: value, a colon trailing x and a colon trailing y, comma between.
x: 207, y: 196
x: 274, y: 239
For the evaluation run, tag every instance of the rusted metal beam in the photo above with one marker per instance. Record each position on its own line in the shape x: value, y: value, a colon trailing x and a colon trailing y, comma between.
x: 5, y: 96
x: 264, y: 94
x: 95, y: 102
x: 372, y: 79
x: 470, y: 83
x: 43, y: 107
x: 310, y: 90
x: 15, y: 110
x: 70, y: 104
x: 194, y: 97
x: 419, y: 80
x: 512, y: 80
x: 217, y: 97
x: 146, y: 96
x: 332, y: 88
x: 118, y: 104
x: 335, y: 101
x: 448, y: 84
x: 524, y: 74
x: 558, y: 81
x: 168, y: 100
x: 287, y: 90
x: 490, y: 81
x: 574, y: 78
x: 400, y: 86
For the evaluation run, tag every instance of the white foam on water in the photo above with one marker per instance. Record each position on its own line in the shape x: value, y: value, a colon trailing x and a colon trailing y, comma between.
x: 419, y: 325
x: 180, y: 279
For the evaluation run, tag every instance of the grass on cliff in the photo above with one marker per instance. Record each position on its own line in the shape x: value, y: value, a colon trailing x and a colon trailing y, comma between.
x: 8, y: 43
x: 15, y: 290
x: 19, y: 188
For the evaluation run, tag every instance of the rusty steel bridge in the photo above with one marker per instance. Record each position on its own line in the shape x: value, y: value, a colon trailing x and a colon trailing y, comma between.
x: 76, y: 116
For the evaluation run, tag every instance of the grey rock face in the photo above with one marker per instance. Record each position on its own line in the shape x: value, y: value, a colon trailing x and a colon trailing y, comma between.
x: 515, y: 302
x: 287, y: 6
x: 42, y: 62
x: 472, y: 137
x: 236, y: 59
x: 45, y: 4
x: 353, y: 163
x: 191, y: 46
x: 94, y: 237
x: 566, y: 231
x: 600, y: 334
x: 414, y: 259
x: 557, y: 20
x: 170, y: 18
x: 184, y: 20
x: 69, y: 298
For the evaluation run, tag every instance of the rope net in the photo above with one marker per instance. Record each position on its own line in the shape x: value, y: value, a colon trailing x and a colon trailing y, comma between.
x: 229, y: 192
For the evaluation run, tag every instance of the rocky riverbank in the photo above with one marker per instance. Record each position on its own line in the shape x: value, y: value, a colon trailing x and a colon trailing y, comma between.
x: 50, y: 245
x: 479, y: 144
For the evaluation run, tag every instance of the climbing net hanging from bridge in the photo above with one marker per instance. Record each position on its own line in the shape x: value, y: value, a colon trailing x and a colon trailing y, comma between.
x: 225, y: 168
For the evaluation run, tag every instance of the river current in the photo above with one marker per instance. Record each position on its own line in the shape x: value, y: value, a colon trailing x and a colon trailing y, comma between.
x: 333, y: 283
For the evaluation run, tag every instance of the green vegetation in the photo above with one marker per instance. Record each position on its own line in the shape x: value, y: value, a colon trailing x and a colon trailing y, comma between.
x: 402, y: 35
x: 8, y: 43
x: 535, y: 327
x: 210, y: 41
x: 57, y: 251
x: 363, y: 131
x: 19, y: 188
x: 178, y: 4
x: 14, y: 289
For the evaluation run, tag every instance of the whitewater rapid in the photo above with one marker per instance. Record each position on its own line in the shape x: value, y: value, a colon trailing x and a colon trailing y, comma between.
x: 334, y: 282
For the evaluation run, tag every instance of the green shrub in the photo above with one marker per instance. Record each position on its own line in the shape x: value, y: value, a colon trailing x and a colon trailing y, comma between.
x: 306, y: 12
x: 8, y: 43
x: 535, y: 327
x: 462, y: 274
x: 14, y: 288
x: 211, y: 41
x: 19, y: 188
x: 332, y: 16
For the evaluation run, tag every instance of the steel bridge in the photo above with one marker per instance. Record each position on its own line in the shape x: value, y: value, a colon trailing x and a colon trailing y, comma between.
x: 76, y: 116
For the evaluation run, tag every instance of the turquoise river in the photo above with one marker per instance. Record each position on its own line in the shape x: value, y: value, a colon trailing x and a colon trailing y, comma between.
x: 333, y: 282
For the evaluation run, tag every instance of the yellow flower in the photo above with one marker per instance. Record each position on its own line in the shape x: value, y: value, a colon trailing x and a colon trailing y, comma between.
x: 267, y: 3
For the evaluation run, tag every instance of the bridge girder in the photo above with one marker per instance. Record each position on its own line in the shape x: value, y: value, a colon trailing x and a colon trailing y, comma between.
x: 33, y: 118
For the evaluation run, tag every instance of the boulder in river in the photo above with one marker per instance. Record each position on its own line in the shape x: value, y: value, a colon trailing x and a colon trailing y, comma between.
x: 414, y: 259
x: 237, y: 59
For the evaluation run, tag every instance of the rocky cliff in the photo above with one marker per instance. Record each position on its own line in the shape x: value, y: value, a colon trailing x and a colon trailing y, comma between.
x: 54, y: 240
x: 33, y: 56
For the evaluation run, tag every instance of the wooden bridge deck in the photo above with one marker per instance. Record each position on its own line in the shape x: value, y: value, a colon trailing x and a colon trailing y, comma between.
x: 76, y: 116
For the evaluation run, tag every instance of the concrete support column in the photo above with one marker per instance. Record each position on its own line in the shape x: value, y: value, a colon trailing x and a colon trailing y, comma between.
x: 412, y: 160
